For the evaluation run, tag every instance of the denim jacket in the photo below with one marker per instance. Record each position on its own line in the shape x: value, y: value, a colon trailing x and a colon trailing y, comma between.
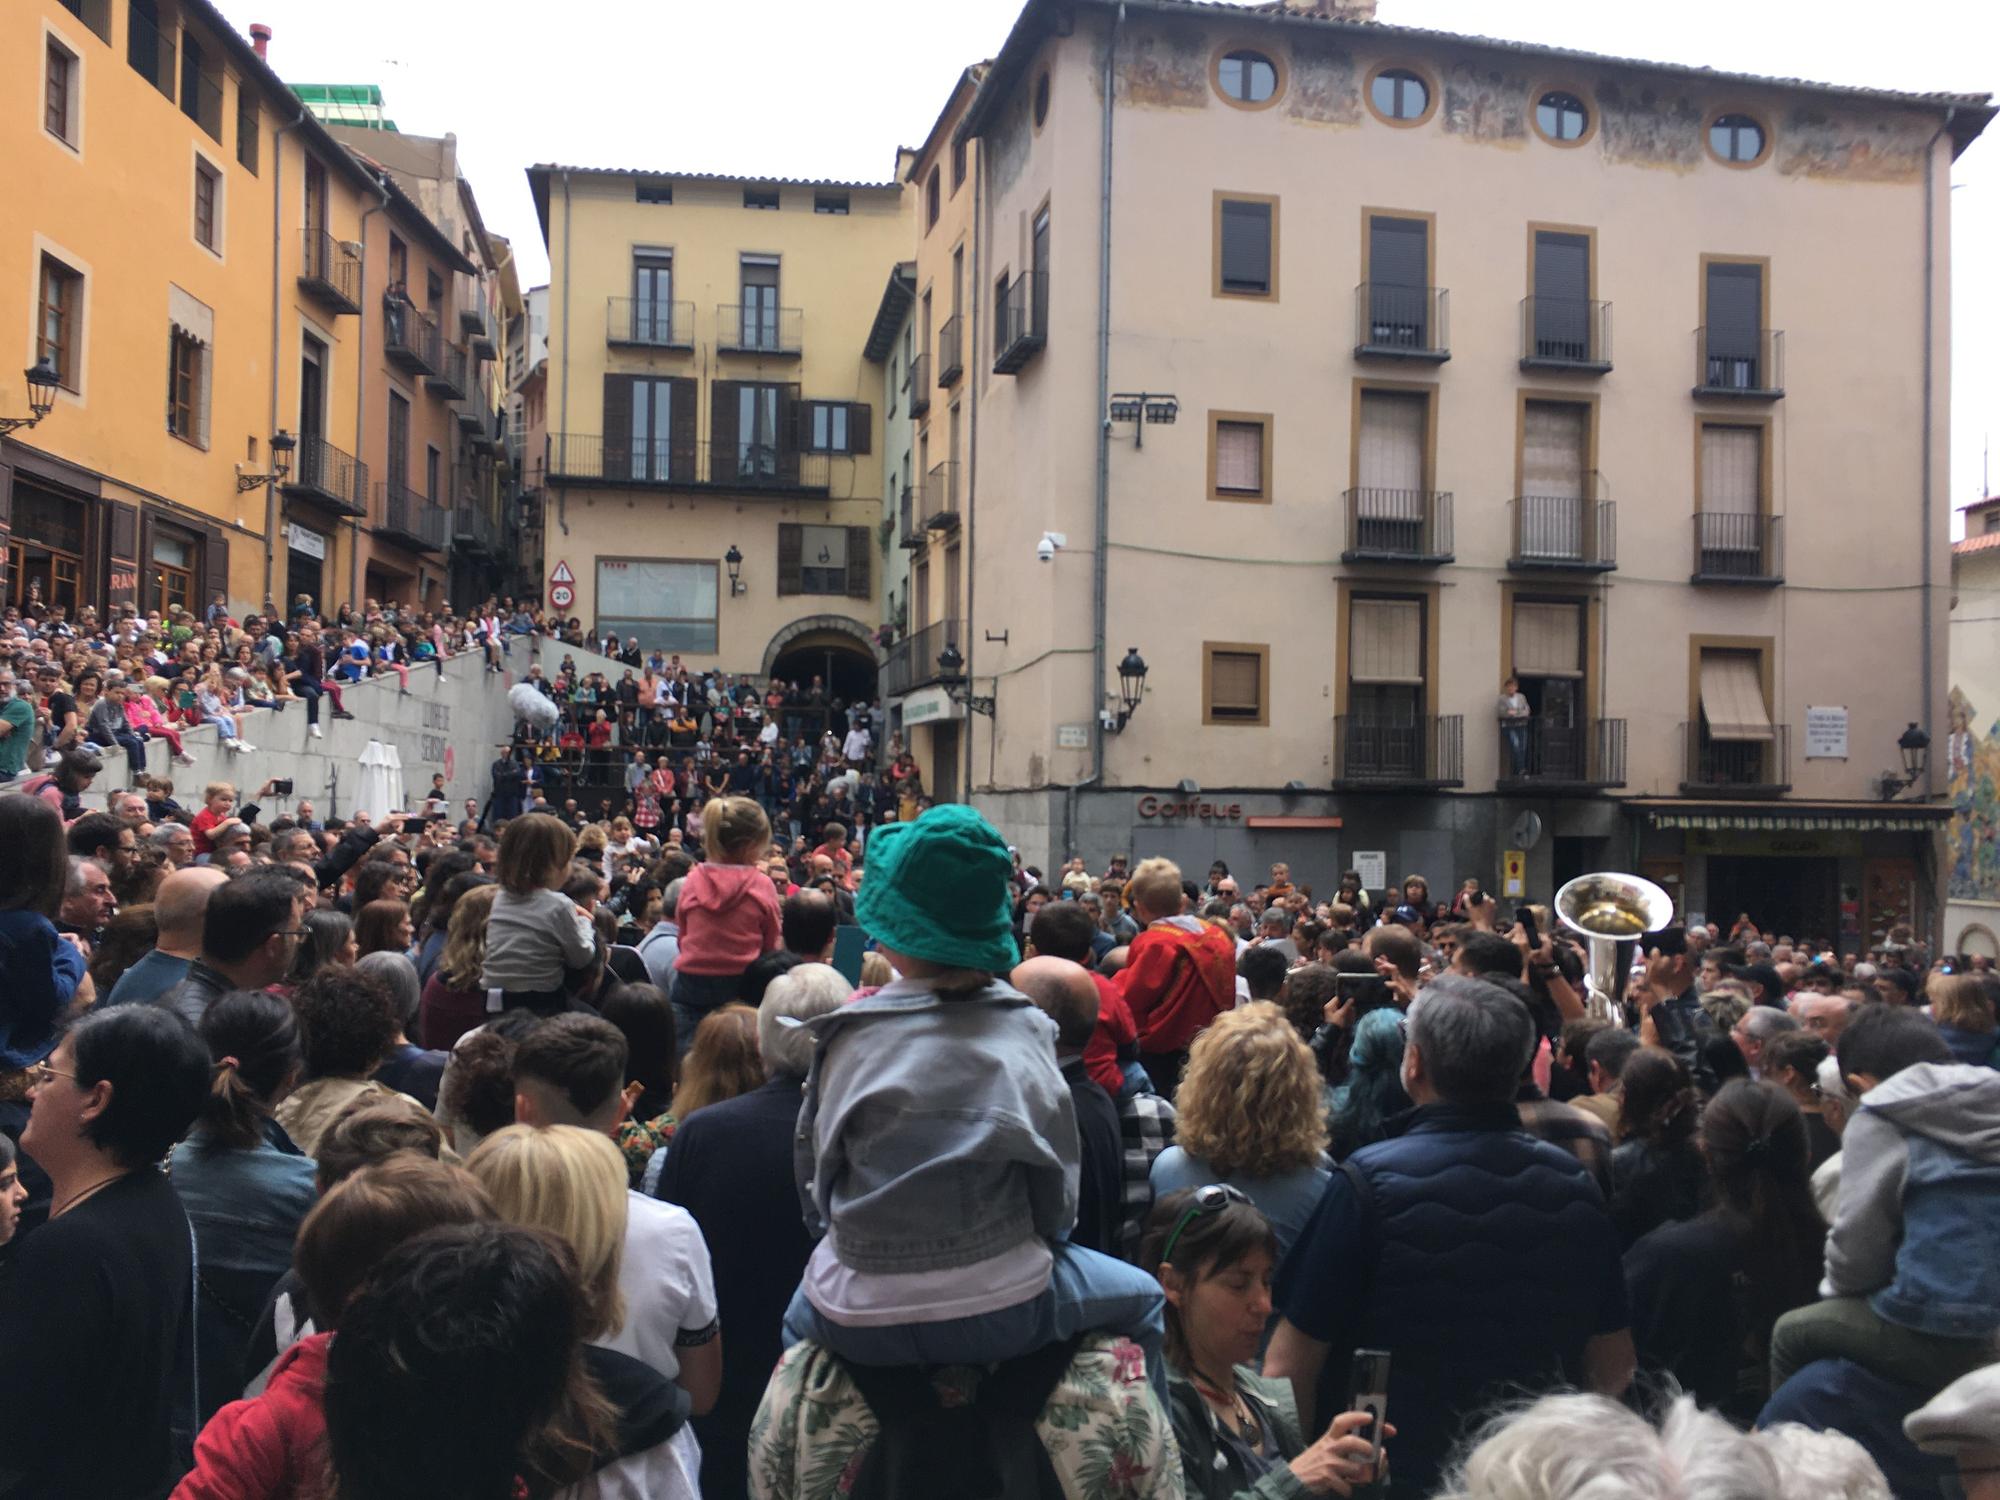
x: 936, y: 1131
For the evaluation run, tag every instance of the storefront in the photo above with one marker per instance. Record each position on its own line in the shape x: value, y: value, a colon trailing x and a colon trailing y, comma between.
x: 48, y: 549
x: 1845, y: 872
x: 305, y: 565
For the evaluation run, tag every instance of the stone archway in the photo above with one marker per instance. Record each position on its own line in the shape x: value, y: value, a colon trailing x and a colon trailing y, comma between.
x: 835, y: 647
x: 1977, y: 940
x: 860, y: 637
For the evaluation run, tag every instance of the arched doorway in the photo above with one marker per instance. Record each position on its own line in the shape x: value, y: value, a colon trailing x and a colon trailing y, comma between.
x: 837, y: 650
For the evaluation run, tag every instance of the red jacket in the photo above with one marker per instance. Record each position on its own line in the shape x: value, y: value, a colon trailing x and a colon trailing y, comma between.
x: 1180, y: 975
x: 1114, y: 1030
x: 270, y: 1448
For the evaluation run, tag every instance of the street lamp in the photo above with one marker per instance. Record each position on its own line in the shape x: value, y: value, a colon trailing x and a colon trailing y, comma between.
x: 42, y: 383
x: 1131, y: 688
x: 282, y: 444
x: 734, y: 558
x: 1141, y: 407
x: 951, y: 673
x: 1915, y: 745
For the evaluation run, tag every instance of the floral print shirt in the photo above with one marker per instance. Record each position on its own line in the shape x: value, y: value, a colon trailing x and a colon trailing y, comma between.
x: 1103, y: 1427
x: 639, y: 1139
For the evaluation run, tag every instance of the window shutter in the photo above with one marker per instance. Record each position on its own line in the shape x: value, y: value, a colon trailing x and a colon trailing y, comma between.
x: 860, y: 423
x: 1732, y: 469
x: 124, y: 554
x: 1562, y: 265
x: 791, y: 542
x: 1736, y: 297
x: 1391, y: 467
x: 1235, y: 685
x: 1385, y: 642
x: 214, y: 566
x: 617, y: 427
x: 859, y: 585
x: 1554, y: 439
x: 793, y: 415
x: 1239, y: 457
x: 1548, y: 640
x: 1246, y: 247
x: 683, y: 433
x: 1398, y: 251
x: 1732, y: 696
x: 722, y: 423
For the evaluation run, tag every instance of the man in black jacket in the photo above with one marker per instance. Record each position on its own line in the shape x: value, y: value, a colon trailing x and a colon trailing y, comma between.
x: 1065, y: 993
x: 1672, y: 1008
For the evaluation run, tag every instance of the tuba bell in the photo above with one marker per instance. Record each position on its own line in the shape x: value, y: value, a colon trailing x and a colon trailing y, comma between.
x: 1607, y: 909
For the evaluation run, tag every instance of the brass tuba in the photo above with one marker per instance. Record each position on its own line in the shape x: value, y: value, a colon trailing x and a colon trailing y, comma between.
x: 1609, y: 908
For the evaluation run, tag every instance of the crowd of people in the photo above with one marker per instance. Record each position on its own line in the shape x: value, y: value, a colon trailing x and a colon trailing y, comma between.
x: 510, y: 1150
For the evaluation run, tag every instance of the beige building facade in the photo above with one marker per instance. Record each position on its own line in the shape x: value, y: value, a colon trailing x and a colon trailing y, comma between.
x: 1357, y: 437
x: 713, y: 479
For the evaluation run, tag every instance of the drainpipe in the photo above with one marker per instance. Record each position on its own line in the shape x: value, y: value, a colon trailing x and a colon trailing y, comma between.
x: 361, y: 385
x: 1100, y: 541
x: 562, y: 491
x: 968, y: 350
x: 277, y: 260
x: 1930, y: 345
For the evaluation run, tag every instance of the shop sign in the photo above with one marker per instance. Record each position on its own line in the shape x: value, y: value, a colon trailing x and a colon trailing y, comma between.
x: 311, y: 543
x: 1803, y: 843
x: 1072, y: 737
x: 1204, y: 812
x: 1826, y: 733
x: 929, y: 705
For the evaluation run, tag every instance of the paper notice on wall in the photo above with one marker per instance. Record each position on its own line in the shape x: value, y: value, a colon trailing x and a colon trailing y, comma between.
x: 1372, y: 865
x: 1826, y: 733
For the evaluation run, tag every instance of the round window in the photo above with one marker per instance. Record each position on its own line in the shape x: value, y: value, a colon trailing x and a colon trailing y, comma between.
x: 1247, y: 77
x: 1561, y: 116
x: 1736, y: 138
x: 1399, y: 94
x: 1041, y: 100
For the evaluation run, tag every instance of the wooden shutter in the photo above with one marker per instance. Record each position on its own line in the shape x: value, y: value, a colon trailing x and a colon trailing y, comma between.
x: 1732, y: 469
x: 1399, y: 251
x: 793, y: 414
x: 791, y: 546
x: 722, y: 424
x: 1239, y: 457
x: 1246, y: 246
x: 859, y: 544
x: 1732, y: 696
x: 123, y: 588
x: 683, y: 434
x: 1235, y: 685
x: 617, y: 427
x: 1386, y: 641
x: 860, y: 424
x: 148, y: 587
x: 214, y: 567
x: 1548, y: 640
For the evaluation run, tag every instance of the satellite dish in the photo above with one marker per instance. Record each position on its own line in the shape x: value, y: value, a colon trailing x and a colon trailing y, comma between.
x: 1527, y: 831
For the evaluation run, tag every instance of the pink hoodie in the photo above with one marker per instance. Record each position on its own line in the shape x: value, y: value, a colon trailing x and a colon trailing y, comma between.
x: 728, y: 916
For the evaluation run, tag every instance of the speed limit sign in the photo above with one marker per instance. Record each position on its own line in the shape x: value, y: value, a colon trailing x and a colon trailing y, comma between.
x: 562, y: 596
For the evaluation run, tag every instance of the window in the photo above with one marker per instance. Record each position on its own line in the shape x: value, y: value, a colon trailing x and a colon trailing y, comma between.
x: 829, y: 203
x: 96, y: 14
x: 399, y: 440
x: 1235, y: 683
x: 1547, y: 661
x: 823, y: 559
x: 1400, y: 96
x: 59, y: 94
x: 433, y: 291
x: 1737, y: 140
x: 933, y: 200
x: 1246, y: 77
x: 757, y: 441
x: 246, y: 129
x: 1239, y: 456
x: 760, y: 198
x: 148, y: 48
x: 1561, y: 327
x: 1385, y: 685
x: 894, y: 385
x: 653, y: 299
x: 201, y: 87
x: 1398, y: 280
x: 1556, y: 485
x: 644, y: 191
x: 1393, y: 510
x: 1041, y: 100
x: 433, y: 463
x: 59, y: 321
x: 1246, y: 247
x: 836, y: 427
x: 1738, y: 743
x: 667, y: 603
x: 1562, y: 118
x: 1733, y: 326
x: 957, y: 164
x: 173, y: 571
x: 207, y: 205
x: 759, y: 328
x: 187, y: 395
x: 652, y: 407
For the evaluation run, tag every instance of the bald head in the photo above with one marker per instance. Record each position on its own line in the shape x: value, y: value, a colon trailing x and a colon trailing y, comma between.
x: 178, y: 907
x: 1065, y: 992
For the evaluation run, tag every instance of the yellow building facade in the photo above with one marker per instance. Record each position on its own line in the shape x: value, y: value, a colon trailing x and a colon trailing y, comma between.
x: 713, y: 456
x: 196, y: 257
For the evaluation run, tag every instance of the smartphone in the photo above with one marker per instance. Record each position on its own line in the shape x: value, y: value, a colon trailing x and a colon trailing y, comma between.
x: 1525, y: 915
x: 1368, y: 1390
x: 1356, y: 987
x: 282, y: 787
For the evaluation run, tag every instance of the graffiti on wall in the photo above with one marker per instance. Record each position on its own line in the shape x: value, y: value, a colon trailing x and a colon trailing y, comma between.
x: 1972, y: 759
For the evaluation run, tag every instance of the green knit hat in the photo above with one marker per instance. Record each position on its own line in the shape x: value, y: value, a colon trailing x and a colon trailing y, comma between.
x: 940, y: 889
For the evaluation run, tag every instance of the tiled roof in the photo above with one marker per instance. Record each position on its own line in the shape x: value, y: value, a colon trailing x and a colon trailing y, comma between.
x: 1984, y: 542
x: 654, y: 174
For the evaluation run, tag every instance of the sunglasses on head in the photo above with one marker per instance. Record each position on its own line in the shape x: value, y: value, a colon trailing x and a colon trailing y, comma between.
x: 1212, y: 1198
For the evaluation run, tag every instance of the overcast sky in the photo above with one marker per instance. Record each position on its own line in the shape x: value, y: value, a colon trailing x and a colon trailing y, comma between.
x: 812, y: 88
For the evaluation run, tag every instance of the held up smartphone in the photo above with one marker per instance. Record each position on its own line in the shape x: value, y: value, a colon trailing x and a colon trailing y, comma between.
x: 1351, y: 986
x: 1525, y: 915
x: 1368, y: 1388
x: 282, y: 787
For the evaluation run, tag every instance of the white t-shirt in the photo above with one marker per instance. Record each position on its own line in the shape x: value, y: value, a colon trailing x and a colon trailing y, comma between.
x: 667, y: 1284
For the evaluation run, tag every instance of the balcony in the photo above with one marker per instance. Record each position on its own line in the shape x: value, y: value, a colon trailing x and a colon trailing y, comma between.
x: 452, y: 378
x: 1566, y: 334
x: 329, y: 271
x: 1023, y: 324
x: 1739, y: 364
x: 150, y: 51
x: 473, y: 528
x: 411, y: 340
x: 471, y: 420
x: 1402, y: 322
x: 755, y: 328
x: 1563, y: 534
x: 1553, y: 757
x: 407, y: 517
x: 642, y: 323
x: 491, y: 436
x: 913, y: 539
x: 475, y: 323
x: 1397, y: 526
x: 1738, y: 549
x: 919, y: 385
x: 940, y: 503
x: 912, y: 661
x: 1736, y: 768
x: 1415, y: 753
x: 201, y: 100
x: 951, y: 350
x: 737, y: 468
x: 323, y: 474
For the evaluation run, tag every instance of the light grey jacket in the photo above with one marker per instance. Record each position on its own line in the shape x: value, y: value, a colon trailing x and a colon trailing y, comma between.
x: 935, y: 1132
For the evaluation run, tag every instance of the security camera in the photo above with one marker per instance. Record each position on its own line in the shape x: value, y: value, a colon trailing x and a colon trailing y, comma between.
x: 1051, y: 543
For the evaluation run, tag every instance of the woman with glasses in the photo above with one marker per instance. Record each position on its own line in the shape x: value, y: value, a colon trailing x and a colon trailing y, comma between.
x: 1238, y: 1432
x: 95, y: 1317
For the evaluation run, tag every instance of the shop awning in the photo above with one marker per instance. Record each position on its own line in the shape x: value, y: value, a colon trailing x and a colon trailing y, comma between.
x: 1802, y: 817
x: 1732, y: 698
